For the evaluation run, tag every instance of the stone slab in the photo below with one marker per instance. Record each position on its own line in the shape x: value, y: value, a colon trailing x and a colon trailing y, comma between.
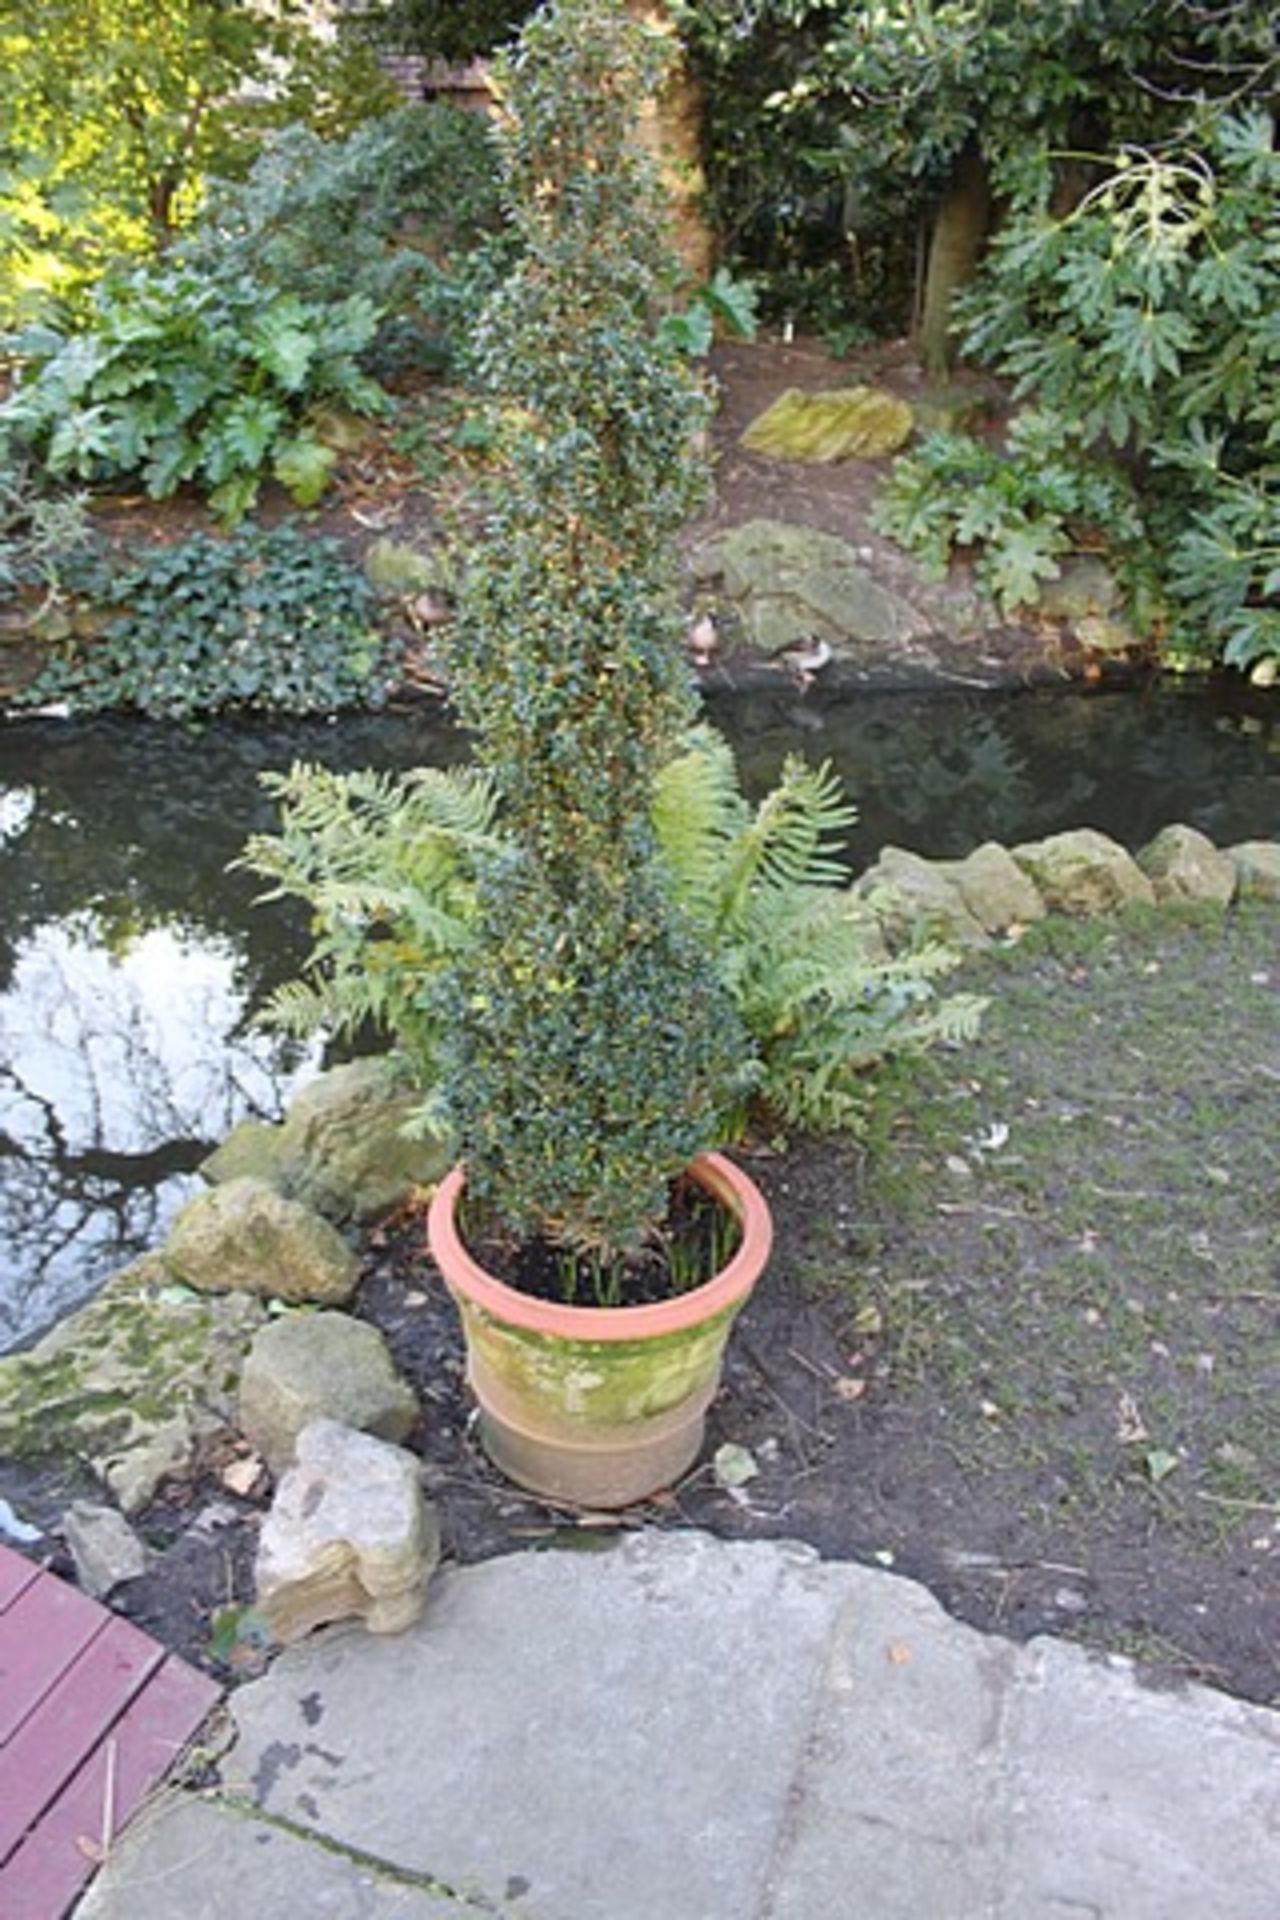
x: 709, y: 1730
x: 190, y: 1859
x: 615, y: 1733
x: 962, y: 1775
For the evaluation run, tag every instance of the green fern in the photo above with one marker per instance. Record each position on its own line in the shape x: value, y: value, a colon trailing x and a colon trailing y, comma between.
x: 804, y: 961
x: 389, y: 866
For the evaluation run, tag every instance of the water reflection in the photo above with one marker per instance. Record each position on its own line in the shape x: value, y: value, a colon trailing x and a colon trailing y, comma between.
x: 131, y: 960
x: 123, y: 1061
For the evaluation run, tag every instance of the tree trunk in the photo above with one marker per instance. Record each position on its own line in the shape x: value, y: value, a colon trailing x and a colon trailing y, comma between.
x: 959, y: 232
x: 671, y: 129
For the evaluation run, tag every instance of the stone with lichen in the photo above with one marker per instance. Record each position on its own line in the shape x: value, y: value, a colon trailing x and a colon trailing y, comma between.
x: 350, y: 1535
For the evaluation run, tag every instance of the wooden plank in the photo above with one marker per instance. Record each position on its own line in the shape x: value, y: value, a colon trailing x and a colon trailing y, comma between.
x: 63, y: 1729
x: 40, y: 1635
x: 42, y: 1879
x: 16, y: 1572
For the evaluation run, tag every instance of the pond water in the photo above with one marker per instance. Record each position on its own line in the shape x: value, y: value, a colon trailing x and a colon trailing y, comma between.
x: 131, y: 961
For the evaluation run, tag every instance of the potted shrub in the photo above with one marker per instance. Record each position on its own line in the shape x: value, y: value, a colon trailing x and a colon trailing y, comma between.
x: 591, y: 1053
x: 590, y: 950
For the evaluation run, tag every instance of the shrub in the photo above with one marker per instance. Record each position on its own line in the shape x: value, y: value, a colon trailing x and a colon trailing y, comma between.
x: 589, y: 1049
x: 178, y: 379
x: 1146, y: 319
x: 43, y: 533
x: 404, y: 211
x: 1024, y: 509
x: 262, y: 619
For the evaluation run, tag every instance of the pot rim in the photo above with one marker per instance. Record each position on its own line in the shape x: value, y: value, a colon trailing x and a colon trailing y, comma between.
x: 726, y: 1289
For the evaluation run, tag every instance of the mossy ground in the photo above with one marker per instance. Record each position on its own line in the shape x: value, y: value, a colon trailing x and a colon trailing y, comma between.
x: 1066, y: 1243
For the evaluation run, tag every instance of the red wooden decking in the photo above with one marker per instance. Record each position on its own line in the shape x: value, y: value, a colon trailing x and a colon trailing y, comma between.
x: 92, y: 1715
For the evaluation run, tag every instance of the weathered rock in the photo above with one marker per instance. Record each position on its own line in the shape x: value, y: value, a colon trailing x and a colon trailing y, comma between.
x: 245, y: 1237
x: 920, y: 892
x: 1083, y: 873
x: 341, y: 1150
x: 307, y: 1365
x: 255, y: 1150
x: 994, y: 888
x: 350, y: 1534
x: 1085, y: 587
x: 1257, y: 865
x: 1101, y: 634
x: 949, y: 407
x: 104, y: 1547
x: 795, y: 583
x: 851, y: 423
x: 347, y: 1151
x: 394, y: 568
x: 135, y: 1384
x: 1183, y: 864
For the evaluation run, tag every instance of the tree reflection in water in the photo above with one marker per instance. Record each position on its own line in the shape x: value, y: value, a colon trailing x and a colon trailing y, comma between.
x: 121, y: 1066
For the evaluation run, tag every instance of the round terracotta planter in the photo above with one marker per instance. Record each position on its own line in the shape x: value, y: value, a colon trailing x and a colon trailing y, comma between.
x: 598, y: 1406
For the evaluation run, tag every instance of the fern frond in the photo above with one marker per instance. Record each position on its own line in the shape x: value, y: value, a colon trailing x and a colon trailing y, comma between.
x: 785, y: 844
x: 698, y: 813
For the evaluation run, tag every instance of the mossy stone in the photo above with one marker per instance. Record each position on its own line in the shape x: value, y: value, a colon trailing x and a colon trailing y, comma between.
x: 852, y: 423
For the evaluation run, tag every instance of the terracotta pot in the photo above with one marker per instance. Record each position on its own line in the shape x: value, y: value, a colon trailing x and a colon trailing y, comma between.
x: 598, y: 1406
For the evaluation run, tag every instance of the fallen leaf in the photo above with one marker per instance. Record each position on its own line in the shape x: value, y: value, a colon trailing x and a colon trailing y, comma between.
x: 734, y: 1465
x: 868, y: 1319
x: 1129, y: 1426
x: 242, y: 1476
x: 1160, y: 1464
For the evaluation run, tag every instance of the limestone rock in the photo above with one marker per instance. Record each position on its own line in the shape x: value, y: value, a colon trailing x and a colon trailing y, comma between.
x: 136, y: 1383
x: 308, y: 1365
x: 920, y: 891
x: 346, y: 1148
x: 852, y: 423
x: 1083, y: 873
x: 1182, y: 864
x: 255, y: 1150
x: 1257, y: 865
x: 795, y: 583
x: 245, y: 1237
x: 104, y: 1547
x: 994, y: 888
x: 349, y: 1534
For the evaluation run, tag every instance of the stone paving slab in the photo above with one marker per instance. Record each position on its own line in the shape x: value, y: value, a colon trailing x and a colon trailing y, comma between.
x: 962, y: 1776
x: 611, y: 1733
x: 682, y: 1728
x: 189, y: 1859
